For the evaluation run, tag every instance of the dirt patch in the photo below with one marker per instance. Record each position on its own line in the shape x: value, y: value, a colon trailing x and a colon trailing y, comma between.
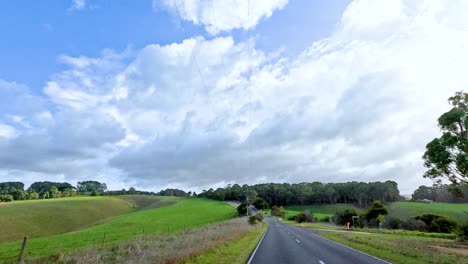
x: 461, y: 250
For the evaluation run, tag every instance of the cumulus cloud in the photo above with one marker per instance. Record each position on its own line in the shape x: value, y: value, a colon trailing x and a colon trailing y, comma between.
x: 77, y: 5
x: 217, y: 16
x: 358, y: 105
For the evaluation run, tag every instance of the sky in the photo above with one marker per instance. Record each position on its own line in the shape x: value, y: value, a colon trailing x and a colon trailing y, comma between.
x: 198, y: 94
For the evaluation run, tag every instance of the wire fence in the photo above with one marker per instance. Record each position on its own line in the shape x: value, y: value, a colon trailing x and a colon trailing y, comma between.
x: 45, y: 246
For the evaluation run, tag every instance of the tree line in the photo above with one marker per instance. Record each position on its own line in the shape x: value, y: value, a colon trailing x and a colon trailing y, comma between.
x: 15, y: 191
x: 361, y: 194
x: 442, y: 193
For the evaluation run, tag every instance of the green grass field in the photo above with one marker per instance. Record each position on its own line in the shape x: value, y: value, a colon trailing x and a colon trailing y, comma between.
x: 404, y: 210
x: 404, y: 248
x: 41, y: 218
x: 185, y: 213
x: 320, y: 211
x: 458, y: 212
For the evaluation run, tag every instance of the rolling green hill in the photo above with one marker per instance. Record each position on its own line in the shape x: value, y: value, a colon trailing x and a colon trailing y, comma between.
x: 183, y: 213
x: 458, y: 212
x: 320, y: 210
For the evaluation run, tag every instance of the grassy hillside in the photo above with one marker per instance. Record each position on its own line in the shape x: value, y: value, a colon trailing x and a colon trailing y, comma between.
x: 458, y: 212
x: 55, y: 216
x: 185, y: 213
x: 320, y: 211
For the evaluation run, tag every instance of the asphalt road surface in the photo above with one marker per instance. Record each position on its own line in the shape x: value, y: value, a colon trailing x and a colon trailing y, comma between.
x: 287, y: 244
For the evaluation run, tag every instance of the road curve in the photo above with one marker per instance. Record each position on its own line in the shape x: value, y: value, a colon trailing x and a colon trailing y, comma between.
x: 287, y: 244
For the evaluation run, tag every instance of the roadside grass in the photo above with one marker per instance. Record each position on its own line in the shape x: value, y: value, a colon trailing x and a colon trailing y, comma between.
x: 405, y: 210
x: 186, y: 213
x: 39, y: 218
x: 229, y: 241
x: 236, y: 251
x: 404, y: 248
x: 406, y: 233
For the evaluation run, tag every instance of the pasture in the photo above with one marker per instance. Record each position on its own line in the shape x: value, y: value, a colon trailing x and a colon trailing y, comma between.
x: 183, y: 213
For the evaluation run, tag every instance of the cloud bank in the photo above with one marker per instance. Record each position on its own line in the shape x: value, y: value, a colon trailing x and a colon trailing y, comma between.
x: 358, y: 105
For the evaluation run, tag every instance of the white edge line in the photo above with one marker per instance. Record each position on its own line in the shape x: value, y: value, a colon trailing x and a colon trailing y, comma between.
x: 321, y: 262
x: 258, y: 245
x: 352, y: 248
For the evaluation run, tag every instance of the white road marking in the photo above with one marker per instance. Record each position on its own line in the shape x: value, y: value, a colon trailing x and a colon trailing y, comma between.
x: 258, y: 245
x: 321, y: 262
x: 297, y: 240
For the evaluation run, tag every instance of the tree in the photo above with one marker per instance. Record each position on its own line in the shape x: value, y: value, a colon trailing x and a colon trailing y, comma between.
x: 242, y: 208
x: 54, y: 192
x: 377, y: 209
x: 447, y: 156
x: 260, y: 204
x: 89, y: 187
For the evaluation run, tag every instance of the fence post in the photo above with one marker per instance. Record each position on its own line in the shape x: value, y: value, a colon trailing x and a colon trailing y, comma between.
x: 23, y: 247
x: 103, y: 238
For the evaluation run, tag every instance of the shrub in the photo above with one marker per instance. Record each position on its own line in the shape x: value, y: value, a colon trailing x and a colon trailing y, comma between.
x: 259, y: 217
x: 278, y: 211
x: 392, y: 222
x: 438, y: 223
x: 292, y: 218
x: 326, y: 219
x: 377, y: 209
x: 414, y: 225
x: 300, y: 218
x: 252, y: 219
x: 345, y: 216
x: 462, y: 232
x: 6, y: 198
x: 242, y: 208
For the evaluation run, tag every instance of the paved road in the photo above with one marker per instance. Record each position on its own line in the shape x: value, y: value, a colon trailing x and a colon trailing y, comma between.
x: 287, y: 244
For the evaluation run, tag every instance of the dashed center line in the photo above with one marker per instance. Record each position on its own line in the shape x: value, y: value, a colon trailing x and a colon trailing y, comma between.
x: 297, y: 240
x: 321, y: 262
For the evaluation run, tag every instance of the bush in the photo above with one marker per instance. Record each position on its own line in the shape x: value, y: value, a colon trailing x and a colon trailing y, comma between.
x: 414, y: 225
x: 292, y: 218
x: 242, y: 209
x: 462, y: 232
x: 6, y: 198
x: 438, y: 223
x: 391, y: 222
x: 259, y: 217
x: 253, y: 219
x: 278, y: 211
x: 326, y: 219
x: 300, y: 218
x: 310, y: 217
x: 377, y: 209
x: 345, y: 216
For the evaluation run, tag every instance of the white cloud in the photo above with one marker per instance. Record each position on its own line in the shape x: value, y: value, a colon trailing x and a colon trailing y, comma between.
x: 217, y: 16
x: 358, y: 105
x: 77, y: 5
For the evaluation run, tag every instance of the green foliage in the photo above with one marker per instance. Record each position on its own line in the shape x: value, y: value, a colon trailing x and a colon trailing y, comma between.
x: 462, y: 232
x: 377, y: 209
x: 438, y: 223
x: 345, y: 216
x: 391, y: 222
x: 278, y: 211
x: 253, y: 219
x: 242, y: 208
x: 259, y: 217
x: 260, y: 204
x: 6, y: 198
x: 300, y: 218
x: 91, y: 187
x: 44, y: 187
x: 173, y: 192
x: 447, y: 156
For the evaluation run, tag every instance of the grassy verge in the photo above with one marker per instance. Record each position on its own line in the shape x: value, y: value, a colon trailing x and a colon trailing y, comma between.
x: 224, y: 242
x: 236, y: 251
x: 406, y: 233
x: 404, y: 248
x: 404, y: 210
x: 186, y: 213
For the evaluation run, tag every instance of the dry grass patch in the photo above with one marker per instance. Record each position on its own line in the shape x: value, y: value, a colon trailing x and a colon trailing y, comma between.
x: 161, y: 248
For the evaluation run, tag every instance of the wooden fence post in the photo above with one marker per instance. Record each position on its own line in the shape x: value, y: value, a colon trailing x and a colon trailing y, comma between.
x: 23, y: 247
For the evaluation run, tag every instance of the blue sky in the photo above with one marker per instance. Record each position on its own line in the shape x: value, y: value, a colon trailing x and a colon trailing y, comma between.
x: 196, y: 94
x: 35, y: 34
